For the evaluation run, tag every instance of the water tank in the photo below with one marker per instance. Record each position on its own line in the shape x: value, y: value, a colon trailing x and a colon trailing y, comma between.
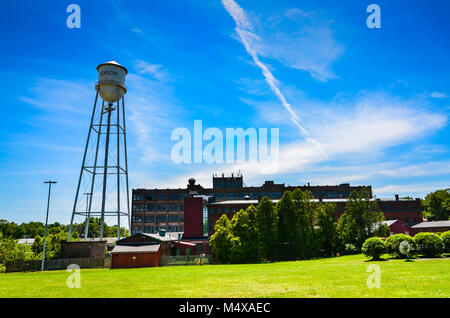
x: 111, y: 81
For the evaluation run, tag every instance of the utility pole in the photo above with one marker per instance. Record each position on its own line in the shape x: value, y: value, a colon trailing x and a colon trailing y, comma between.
x: 46, y: 220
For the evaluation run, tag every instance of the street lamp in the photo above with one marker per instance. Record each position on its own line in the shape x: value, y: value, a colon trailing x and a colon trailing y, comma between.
x: 46, y: 221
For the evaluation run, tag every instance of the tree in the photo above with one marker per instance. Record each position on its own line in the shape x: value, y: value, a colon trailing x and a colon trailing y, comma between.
x: 437, y: 205
x: 221, y: 241
x: 288, y: 231
x: 266, y: 222
x: 374, y: 247
x: 11, y: 251
x: 245, y: 244
x: 327, y: 227
x: 306, y: 242
x: 362, y: 215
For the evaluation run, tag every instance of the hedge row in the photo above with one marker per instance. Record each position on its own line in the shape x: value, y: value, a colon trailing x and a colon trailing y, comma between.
x: 425, y: 243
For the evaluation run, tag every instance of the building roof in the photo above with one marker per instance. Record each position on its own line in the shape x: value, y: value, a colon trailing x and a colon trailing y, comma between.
x: 25, y: 241
x: 168, y: 236
x: 255, y: 202
x: 389, y: 222
x: 432, y: 224
x: 123, y: 249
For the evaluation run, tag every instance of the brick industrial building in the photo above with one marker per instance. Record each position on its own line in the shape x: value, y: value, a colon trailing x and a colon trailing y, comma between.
x: 155, y: 209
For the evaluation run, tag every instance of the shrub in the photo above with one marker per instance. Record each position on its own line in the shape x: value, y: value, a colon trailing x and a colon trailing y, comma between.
x: 446, y: 240
x: 429, y: 244
x: 374, y: 247
x: 393, y: 242
x: 350, y: 249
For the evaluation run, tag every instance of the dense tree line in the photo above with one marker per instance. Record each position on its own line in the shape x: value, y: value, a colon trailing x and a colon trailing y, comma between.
x: 37, y: 229
x: 296, y: 228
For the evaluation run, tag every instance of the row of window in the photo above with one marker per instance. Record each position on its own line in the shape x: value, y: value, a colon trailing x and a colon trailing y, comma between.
x: 155, y: 229
x: 220, y: 210
x: 158, y: 207
x: 399, y: 207
x: 160, y: 218
x: 160, y: 197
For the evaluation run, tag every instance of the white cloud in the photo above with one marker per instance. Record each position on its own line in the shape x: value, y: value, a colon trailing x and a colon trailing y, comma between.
x: 248, y: 38
x: 300, y: 40
x: 438, y: 95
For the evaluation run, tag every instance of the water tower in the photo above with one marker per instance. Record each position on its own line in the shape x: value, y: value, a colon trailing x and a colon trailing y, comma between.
x: 104, y: 169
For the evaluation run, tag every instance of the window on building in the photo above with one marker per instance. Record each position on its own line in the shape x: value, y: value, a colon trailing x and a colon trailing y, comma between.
x: 138, y: 207
x: 137, y: 229
x: 407, y: 222
x: 162, y: 196
x: 138, y: 197
x: 162, y: 207
x: 149, y: 197
x: 265, y: 194
x: 173, y: 218
x: 181, y: 228
x: 219, y: 210
x: 234, y: 210
x: 161, y: 218
x: 225, y: 210
x: 183, y: 195
x: 137, y: 218
x: 173, y: 196
x: 148, y: 229
x: 276, y: 195
x: 173, y: 207
x: 182, y: 207
x: 149, y: 218
x: 181, y: 217
x: 149, y: 207
x: 220, y: 196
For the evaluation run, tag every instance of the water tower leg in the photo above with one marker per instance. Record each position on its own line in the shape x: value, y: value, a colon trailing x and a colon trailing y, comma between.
x: 105, y: 174
x: 94, y: 172
x: 126, y: 163
x: 82, y: 168
x: 118, y: 164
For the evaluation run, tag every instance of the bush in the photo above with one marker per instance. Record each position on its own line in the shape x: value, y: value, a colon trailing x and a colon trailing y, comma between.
x: 374, y: 247
x: 393, y: 242
x: 429, y: 244
x: 446, y: 240
x: 350, y: 249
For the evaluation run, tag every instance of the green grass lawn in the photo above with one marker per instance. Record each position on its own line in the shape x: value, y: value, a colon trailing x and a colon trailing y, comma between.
x: 344, y: 276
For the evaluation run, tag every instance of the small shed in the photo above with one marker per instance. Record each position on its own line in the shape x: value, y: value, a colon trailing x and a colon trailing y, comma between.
x: 126, y: 256
x: 146, y: 249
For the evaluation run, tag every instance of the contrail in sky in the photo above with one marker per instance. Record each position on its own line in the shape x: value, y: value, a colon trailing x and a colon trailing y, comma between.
x: 245, y: 31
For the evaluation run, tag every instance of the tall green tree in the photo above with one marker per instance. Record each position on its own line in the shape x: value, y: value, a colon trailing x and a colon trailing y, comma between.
x: 288, y: 230
x: 243, y: 227
x: 221, y: 242
x: 362, y: 215
x: 266, y: 222
x: 326, y: 221
x: 437, y: 205
x: 305, y: 242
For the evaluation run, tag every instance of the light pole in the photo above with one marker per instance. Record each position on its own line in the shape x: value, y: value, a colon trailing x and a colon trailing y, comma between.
x: 46, y: 221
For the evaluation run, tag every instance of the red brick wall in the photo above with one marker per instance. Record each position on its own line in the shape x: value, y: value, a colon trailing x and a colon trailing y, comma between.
x: 193, y: 217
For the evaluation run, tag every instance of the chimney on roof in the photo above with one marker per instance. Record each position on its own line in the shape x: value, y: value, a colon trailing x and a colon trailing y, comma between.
x: 162, y: 232
x: 396, y: 197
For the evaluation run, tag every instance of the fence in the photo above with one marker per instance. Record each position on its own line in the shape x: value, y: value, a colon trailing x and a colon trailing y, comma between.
x: 55, y: 264
x: 185, y: 260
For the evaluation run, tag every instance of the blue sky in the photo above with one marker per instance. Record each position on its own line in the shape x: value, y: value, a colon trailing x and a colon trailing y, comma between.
x: 376, y: 100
